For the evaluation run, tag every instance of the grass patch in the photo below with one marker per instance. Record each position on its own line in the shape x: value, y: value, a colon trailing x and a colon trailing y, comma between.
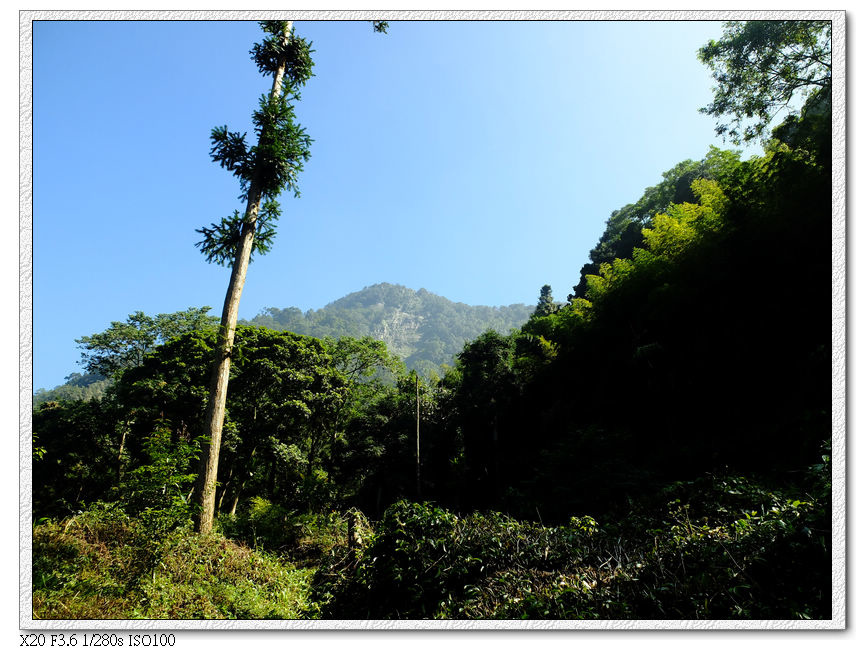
x: 102, y: 564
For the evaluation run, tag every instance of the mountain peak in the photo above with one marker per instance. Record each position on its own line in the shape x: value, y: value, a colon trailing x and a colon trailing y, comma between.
x: 424, y: 329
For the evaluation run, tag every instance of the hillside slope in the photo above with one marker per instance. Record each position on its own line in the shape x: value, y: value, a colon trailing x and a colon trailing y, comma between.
x: 422, y: 328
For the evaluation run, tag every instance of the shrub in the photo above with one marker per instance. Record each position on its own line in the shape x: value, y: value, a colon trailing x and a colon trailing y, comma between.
x: 711, y: 548
x: 157, y: 493
x: 424, y: 562
x: 299, y: 536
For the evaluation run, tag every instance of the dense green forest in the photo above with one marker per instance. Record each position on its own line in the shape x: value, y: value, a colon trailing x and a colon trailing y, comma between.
x: 655, y: 448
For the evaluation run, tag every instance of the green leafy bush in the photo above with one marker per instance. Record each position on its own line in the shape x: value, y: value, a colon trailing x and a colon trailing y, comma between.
x: 158, y: 492
x: 424, y: 562
x: 726, y: 547
x: 712, y: 548
x: 299, y: 536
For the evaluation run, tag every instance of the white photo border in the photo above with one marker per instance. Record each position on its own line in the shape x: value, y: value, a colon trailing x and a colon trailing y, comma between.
x: 839, y: 320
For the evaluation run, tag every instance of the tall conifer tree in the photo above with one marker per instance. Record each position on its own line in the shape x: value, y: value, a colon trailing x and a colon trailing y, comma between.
x: 264, y: 170
x: 546, y: 304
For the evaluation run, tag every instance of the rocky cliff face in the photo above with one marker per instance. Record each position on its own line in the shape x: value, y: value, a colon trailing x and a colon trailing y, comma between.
x: 400, y: 330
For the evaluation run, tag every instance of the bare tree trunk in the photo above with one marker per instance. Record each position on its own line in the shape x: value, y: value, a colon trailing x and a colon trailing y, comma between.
x: 215, y: 412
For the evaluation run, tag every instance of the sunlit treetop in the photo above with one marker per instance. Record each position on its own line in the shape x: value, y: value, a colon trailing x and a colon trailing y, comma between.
x: 761, y: 68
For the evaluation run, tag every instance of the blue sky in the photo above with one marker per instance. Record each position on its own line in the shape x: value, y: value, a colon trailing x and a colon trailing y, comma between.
x: 478, y: 160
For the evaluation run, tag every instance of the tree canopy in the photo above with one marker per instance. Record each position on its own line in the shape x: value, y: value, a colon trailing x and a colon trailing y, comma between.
x: 124, y: 344
x: 760, y: 67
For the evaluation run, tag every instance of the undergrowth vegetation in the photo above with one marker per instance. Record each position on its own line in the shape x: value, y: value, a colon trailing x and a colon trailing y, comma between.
x: 718, y: 547
x: 302, y: 537
x: 102, y: 564
x: 712, y: 548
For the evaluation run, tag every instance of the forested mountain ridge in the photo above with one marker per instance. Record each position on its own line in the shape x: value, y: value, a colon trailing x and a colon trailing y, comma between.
x: 77, y: 387
x: 424, y: 329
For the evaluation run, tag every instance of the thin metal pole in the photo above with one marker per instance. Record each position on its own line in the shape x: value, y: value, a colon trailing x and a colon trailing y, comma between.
x: 417, y: 399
